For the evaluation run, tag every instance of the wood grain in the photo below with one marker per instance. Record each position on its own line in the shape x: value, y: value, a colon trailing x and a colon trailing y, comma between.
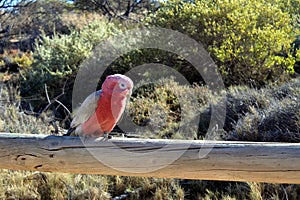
x: 186, y: 159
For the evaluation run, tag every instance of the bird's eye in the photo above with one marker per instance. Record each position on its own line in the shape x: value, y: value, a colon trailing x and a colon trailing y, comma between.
x: 122, y: 85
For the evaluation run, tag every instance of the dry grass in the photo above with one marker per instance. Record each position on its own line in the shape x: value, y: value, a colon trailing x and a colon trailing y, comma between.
x: 167, y: 106
x: 266, y: 114
x: 15, y: 120
x: 269, y: 114
x: 36, y: 185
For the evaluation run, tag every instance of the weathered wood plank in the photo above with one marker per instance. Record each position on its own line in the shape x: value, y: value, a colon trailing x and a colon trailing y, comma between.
x: 188, y: 159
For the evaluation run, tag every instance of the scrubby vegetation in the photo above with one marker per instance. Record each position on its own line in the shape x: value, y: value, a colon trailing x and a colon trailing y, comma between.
x: 57, y: 59
x: 254, y: 44
x: 267, y: 114
x: 249, y: 41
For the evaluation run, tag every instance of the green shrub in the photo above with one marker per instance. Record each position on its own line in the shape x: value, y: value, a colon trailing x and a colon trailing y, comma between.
x: 249, y: 40
x: 57, y: 58
x: 14, y: 60
x: 24, y: 60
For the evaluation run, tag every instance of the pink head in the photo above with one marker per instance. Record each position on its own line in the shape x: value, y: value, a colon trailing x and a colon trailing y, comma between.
x: 117, y: 84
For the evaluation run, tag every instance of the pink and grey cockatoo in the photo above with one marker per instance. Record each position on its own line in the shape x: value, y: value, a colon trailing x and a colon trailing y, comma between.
x: 101, y: 110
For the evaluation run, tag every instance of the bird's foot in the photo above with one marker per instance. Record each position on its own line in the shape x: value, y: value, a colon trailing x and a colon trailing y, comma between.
x: 119, y: 134
x: 107, y: 136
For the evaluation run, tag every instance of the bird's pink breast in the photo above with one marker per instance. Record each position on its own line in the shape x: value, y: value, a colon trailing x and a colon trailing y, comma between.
x: 108, y: 112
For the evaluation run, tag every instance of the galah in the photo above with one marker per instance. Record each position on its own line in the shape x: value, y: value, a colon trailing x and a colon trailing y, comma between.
x: 101, y: 110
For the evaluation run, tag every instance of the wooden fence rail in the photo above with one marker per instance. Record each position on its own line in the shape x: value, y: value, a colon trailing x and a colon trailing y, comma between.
x: 206, y: 160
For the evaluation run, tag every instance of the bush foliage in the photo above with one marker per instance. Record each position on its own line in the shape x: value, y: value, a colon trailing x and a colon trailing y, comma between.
x: 268, y: 114
x: 57, y: 58
x: 14, y: 60
x: 168, y: 108
x: 249, y: 41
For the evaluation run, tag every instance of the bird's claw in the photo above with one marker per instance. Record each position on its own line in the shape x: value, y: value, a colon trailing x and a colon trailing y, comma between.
x: 107, y: 136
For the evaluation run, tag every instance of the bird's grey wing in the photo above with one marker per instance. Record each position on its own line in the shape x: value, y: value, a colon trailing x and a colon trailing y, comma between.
x: 86, y: 109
